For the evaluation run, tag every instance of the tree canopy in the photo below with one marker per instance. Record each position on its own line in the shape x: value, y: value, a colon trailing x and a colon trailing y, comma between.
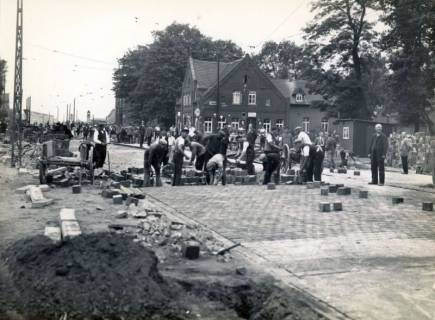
x: 150, y: 77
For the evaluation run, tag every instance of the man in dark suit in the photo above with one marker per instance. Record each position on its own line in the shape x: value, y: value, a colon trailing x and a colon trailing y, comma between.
x: 378, y: 150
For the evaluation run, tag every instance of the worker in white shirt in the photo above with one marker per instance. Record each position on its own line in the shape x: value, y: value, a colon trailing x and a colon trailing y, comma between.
x: 272, y: 151
x: 179, y: 155
x: 215, y: 167
x: 101, y: 138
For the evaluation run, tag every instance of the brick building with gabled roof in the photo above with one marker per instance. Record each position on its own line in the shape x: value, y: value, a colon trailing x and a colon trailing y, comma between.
x: 246, y: 95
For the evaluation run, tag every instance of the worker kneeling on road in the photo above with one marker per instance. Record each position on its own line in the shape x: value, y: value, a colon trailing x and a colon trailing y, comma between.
x: 179, y: 154
x: 101, y: 139
x: 154, y: 156
x: 272, y: 152
x: 215, y: 167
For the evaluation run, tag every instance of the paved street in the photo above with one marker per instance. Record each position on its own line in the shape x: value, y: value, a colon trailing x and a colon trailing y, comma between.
x: 373, y: 260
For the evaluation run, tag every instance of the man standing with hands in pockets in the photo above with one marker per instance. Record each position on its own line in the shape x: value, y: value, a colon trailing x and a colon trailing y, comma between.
x: 378, y: 150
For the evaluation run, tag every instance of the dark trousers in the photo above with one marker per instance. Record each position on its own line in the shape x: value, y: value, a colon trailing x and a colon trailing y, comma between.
x: 147, y: 170
x: 199, y: 164
x: 272, y: 165
x: 141, y: 139
x: 316, y: 164
x: 207, y: 156
x: 99, y: 155
x: 178, y: 168
x: 405, y: 164
x: 149, y: 140
x: 378, y: 167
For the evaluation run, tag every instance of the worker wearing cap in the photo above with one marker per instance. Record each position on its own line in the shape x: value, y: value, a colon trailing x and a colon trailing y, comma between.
x: 303, y: 143
x: 272, y: 152
x: 179, y: 154
x: 154, y: 156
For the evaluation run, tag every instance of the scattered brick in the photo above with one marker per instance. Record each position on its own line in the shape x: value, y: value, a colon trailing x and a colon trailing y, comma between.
x: 356, y: 173
x: 271, y: 186
x: 191, y: 250
x: 324, y: 191
x: 117, y: 199
x: 332, y: 189
x: 338, y: 206
x: 343, y: 191
x: 76, y: 189
x: 363, y: 194
x: 342, y: 170
x: 397, y: 200
x: 324, y: 207
x: 427, y: 206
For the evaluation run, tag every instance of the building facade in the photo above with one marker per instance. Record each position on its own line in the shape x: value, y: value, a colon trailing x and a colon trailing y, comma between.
x: 244, y: 94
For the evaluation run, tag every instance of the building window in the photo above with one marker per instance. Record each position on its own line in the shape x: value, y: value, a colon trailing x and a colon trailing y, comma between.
x: 208, y: 123
x: 252, y: 98
x: 324, y: 125
x: 235, y: 124
x: 186, y: 100
x: 280, y: 123
x: 237, y: 97
x: 266, y: 125
x: 346, y: 133
x: 221, y: 123
x: 306, y: 124
x: 268, y: 104
x: 299, y: 97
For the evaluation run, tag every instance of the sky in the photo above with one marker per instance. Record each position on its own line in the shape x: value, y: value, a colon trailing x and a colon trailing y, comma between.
x: 71, y: 47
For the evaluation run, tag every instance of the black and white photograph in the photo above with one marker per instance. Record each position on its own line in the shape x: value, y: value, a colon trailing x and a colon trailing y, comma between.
x: 217, y: 160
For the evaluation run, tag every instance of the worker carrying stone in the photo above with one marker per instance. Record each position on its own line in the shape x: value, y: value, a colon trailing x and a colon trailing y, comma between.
x: 311, y: 160
x: 272, y: 153
x: 154, y: 156
x: 215, y: 167
x: 179, y: 155
x: 101, y: 138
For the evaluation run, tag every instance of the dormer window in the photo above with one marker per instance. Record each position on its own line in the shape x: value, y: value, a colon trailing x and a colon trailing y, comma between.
x: 299, y: 97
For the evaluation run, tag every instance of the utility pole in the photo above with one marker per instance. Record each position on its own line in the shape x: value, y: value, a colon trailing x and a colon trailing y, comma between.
x: 18, y: 88
x: 218, y: 100
x: 74, y: 114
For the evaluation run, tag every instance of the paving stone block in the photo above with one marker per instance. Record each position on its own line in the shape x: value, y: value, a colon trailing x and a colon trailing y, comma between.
x: 115, y: 185
x: 338, y: 206
x: 343, y: 191
x: 332, y: 189
x: 117, y: 199
x: 67, y: 214
x: 331, y: 170
x: 271, y: 186
x: 397, y: 200
x: 138, y: 182
x: 70, y: 229
x: 324, y: 207
x: 363, y: 194
x: 342, y: 170
x: 250, y: 180
x: 126, y: 183
x: 356, y: 173
x: 41, y: 203
x: 340, y: 185
x: 131, y: 200
x: 117, y: 177
x: 427, y: 206
x: 54, y: 233
x: 191, y: 250
x: 310, y: 185
x: 76, y: 189
x: 324, y: 191
x: 316, y: 184
x: 109, y: 193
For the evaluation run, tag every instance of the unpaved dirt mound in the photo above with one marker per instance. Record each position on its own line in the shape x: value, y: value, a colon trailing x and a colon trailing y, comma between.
x: 98, y: 274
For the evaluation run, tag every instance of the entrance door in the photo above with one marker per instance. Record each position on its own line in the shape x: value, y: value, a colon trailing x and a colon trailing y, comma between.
x: 253, y: 121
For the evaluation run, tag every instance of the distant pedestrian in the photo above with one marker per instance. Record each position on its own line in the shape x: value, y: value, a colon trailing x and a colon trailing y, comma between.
x: 141, y: 134
x: 378, y: 150
x: 405, y: 148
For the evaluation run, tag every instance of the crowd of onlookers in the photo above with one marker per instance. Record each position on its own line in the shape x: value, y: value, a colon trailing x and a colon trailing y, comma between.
x: 415, y: 148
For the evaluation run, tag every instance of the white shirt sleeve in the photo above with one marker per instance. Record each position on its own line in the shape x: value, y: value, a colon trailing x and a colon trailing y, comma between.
x: 96, y: 137
x: 269, y: 138
x: 107, y: 138
x: 306, y: 151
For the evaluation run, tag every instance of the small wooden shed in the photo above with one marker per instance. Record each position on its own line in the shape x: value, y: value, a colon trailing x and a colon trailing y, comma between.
x: 355, y: 134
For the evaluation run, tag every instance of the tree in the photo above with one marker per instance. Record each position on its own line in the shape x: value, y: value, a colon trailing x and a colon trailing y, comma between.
x: 153, y: 84
x: 280, y: 60
x: 410, y: 42
x: 340, y: 42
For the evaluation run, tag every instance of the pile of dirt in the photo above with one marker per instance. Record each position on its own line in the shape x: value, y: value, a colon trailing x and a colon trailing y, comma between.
x: 98, y: 274
x: 109, y: 276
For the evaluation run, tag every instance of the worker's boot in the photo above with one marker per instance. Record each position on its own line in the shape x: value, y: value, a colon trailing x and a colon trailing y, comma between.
x: 158, y: 181
x: 147, y: 180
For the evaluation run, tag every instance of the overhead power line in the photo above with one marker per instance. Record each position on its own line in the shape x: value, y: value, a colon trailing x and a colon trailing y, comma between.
x: 282, y: 23
x: 71, y: 54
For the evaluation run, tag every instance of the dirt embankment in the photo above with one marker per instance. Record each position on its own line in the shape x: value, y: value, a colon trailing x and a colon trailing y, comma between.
x: 108, y: 276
